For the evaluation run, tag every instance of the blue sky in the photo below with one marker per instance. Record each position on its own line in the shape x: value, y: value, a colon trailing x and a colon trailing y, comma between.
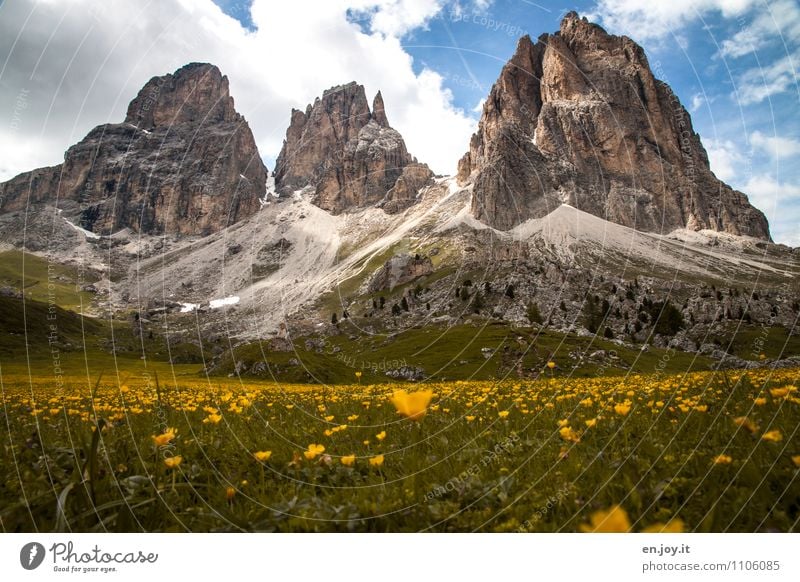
x: 725, y: 63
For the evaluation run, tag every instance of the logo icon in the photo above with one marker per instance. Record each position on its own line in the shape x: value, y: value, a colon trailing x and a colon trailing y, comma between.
x: 31, y: 555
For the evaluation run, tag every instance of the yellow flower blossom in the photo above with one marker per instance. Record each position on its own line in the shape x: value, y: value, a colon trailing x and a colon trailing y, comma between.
x: 503, y: 414
x: 723, y: 460
x: 614, y: 520
x: 313, y: 451
x: 568, y: 434
x: 165, y: 438
x: 173, y: 462
x: 212, y: 419
x: 746, y: 424
x: 413, y: 405
x: 773, y: 436
x: 376, y: 461
x: 262, y: 456
x: 622, y: 409
x: 381, y: 435
x: 348, y: 461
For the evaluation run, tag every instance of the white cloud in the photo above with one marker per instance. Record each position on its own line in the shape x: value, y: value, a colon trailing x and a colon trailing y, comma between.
x: 760, y: 83
x: 698, y: 99
x: 725, y: 158
x: 658, y: 20
x: 776, y: 22
x: 397, y: 17
x: 81, y: 62
x: 780, y: 201
x: 774, y: 145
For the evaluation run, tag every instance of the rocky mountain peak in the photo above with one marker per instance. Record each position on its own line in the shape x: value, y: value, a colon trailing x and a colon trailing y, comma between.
x: 183, y: 162
x: 195, y: 93
x: 579, y: 118
x: 348, y: 154
x: 379, y: 111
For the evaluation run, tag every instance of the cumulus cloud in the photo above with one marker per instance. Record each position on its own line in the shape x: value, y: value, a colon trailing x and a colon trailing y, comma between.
x: 780, y: 201
x: 777, y: 22
x: 80, y: 62
x: 657, y: 20
x: 725, y: 158
x: 759, y: 83
x: 774, y: 145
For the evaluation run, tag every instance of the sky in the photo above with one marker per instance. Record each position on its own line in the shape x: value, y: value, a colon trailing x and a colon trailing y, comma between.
x: 69, y: 65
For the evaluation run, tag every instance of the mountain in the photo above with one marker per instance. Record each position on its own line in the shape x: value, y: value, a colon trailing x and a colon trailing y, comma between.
x: 183, y: 162
x: 584, y: 212
x: 578, y: 118
x: 348, y: 155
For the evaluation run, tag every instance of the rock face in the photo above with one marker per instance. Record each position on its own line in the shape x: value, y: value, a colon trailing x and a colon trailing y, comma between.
x: 579, y: 118
x: 183, y: 162
x: 348, y: 154
x: 398, y: 270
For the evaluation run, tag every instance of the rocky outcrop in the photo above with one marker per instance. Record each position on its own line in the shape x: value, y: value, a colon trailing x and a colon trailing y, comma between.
x: 579, y: 118
x: 183, y: 162
x: 348, y: 154
x: 399, y: 270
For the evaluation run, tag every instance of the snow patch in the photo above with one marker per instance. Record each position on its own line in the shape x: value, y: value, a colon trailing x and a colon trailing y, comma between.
x: 83, y: 231
x: 188, y: 307
x: 217, y: 303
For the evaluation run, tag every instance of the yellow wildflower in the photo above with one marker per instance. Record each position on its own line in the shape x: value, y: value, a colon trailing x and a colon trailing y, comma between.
x: 313, y: 451
x: 568, y: 434
x: 723, y: 460
x: 381, y: 435
x: 172, y: 462
x: 614, y: 520
x: 760, y: 401
x: 262, y: 456
x: 165, y: 438
x: 503, y: 414
x: 376, y: 461
x: 348, y: 461
x: 773, y: 436
x: 230, y: 492
x: 796, y: 460
x: 413, y: 405
x: 746, y: 424
x: 212, y: 418
x: 590, y: 423
x: 622, y: 409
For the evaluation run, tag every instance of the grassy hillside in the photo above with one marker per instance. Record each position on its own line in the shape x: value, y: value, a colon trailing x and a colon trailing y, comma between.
x: 461, y: 352
x: 43, y: 281
x: 82, y: 345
